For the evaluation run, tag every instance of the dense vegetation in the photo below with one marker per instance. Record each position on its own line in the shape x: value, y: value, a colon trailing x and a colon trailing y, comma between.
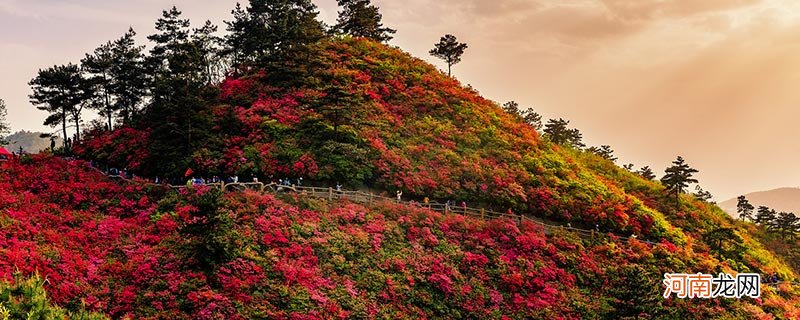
x: 131, y: 250
x: 338, y: 106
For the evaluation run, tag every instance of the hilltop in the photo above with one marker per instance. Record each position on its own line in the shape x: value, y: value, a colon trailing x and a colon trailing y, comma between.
x: 31, y: 142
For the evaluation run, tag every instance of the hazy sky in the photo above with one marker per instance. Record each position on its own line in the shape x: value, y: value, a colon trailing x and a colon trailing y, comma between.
x: 713, y: 80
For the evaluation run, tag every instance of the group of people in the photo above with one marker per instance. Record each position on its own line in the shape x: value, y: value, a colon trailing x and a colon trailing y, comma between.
x: 203, y: 181
x: 288, y: 182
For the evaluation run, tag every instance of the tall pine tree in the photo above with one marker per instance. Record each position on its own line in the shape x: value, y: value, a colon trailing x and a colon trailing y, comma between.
x: 646, y: 173
x: 744, y: 208
x: 449, y: 50
x: 179, y: 87
x: 765, y: 217
x: 208, y: 45
x: 271, y: 33
x: 558, y: 132
x: 678, y: 177
x: 129, y: 80
x: 97, y: 66
x: 59, y: 90
x: 359, y: 18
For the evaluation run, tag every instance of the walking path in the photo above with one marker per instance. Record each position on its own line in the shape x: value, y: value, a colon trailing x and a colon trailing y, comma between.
x: 371, y: 198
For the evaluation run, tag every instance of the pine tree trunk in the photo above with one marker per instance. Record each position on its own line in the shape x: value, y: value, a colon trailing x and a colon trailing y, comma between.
x: 64, y: 127
x: 77, y: 129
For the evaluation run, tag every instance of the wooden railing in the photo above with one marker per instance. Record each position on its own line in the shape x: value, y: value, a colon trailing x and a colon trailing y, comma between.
x: 371, y: 198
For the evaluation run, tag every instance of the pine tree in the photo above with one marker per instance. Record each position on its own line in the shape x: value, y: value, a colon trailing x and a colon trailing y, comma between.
x: 273, y: 31
x: 5, y: 129
x: 172, y: 36
x: 359, y: 18
x: 647, y: 173
x: 97, y: 67
x: 744, y: 208
x: 532, y: 118
x: 678, y: 177
x: 765, y: 217
x: 173, y: 55
x: 449, y: 50
x: 237, y: 41
x: 59, y: 90
x: 786, y: 223
x: 129, y: 79
x: 208, y: 45
x: 605, y: 152
x: 703, y: 195
x: 511, y: 107
x: 528, y: 116
x: 558, y: 132
x: 175, y: 114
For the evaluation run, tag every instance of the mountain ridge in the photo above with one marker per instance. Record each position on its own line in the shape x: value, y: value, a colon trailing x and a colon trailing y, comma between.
x: 781, y: 199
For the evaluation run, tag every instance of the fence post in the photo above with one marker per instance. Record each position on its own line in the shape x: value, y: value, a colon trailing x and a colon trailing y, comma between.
x: 330, y: 194
x: 483, y: 213
x: 370, y: 198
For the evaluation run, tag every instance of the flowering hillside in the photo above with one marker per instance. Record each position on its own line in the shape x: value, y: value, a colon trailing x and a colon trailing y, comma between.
x: 146, y: 252
x: 370, y: 115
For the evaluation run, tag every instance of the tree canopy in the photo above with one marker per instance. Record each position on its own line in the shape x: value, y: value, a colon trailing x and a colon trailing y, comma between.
x: 558, y: 132
x: 449, y: 50
x: 678, y: 177
x: 359, y: 18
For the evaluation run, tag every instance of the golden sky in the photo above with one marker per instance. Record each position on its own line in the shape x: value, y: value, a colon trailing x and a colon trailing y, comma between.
x: 712, y: 80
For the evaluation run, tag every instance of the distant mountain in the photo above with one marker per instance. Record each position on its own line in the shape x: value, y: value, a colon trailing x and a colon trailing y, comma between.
x: 783, y: 199
x: 31, y: 142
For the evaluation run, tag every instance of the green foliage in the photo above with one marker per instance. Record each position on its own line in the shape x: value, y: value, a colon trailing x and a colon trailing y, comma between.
x: 678, y: 177
x: 604, y: 151
x: 272, y: 30
x: 359, y: 18
x: 559, y: 133
x: 744, y: 208
x: 208, y: 227
x: 449, y: 50
x: 636, y: 293
x: 60, y: 91
x: 646, y: 173
x: 26, y: 298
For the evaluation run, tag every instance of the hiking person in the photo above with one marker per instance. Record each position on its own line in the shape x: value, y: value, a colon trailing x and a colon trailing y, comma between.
x: 399, y: 195
x: 338, y: 187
